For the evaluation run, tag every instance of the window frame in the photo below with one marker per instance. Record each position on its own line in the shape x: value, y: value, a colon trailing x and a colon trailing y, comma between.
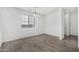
x: 31, y: 21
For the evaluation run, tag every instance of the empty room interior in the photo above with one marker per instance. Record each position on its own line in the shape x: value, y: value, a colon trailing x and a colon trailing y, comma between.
x: 39, y: 29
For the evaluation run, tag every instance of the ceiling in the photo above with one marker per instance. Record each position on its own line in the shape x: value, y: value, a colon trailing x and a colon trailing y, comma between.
x: 40, y: 10
x: 47, y: 10
x: 70, y: 9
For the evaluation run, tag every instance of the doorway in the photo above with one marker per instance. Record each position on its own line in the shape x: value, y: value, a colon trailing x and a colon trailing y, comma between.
x: 70, y: 25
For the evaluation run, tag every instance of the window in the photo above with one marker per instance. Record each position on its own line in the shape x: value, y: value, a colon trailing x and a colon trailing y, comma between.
x: 28, y: 21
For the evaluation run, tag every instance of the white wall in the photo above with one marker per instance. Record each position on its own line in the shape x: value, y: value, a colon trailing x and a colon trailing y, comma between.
x: 67, y: 24
x: 0, y: 31
x: 54, y: 23
x: 11, y: 19
x: 74, y: 23
x: 71, y: 25
x: 78, y: 27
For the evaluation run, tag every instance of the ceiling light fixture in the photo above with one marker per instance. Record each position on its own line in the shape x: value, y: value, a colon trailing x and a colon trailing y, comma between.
x: 35, y: 11
x: 35, y: 14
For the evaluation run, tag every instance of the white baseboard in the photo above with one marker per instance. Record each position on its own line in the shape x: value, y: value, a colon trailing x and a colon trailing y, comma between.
x: 20, y: 37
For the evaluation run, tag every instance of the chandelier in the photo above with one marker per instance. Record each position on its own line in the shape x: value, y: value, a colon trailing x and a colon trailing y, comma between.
x: 35, y: 11
x: 35, y: 14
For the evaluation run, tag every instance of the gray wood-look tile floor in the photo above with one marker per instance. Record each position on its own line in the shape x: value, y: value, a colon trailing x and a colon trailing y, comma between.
x: 41, y: 43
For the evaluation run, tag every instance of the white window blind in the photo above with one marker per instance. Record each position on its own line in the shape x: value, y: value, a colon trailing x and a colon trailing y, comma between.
x: 25, y: 20
x: 28, y: 21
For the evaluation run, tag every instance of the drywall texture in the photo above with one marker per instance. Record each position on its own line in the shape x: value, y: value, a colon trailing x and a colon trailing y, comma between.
x: 0, y: 30
x: 67, y: 24
x: 11, y: 21
x: 54, y: 23
x: 71, y: 23
x: 74, y: 24
x: 78, y: 27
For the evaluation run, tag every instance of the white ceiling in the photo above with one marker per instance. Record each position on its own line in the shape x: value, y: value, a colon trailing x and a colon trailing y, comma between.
x: 40, y: 10
x: 70, y: 9
x: 47, y: 10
